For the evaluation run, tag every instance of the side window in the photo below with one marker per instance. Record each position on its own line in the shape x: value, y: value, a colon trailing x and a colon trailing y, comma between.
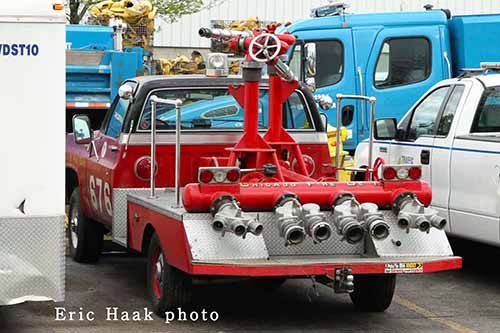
x: 403, y: 61
x: 329, y: 62
x: 117, y: 116
x: 449, y: 111
x: 487, y: 117
x: 296, y: 114
x: 424, y: 117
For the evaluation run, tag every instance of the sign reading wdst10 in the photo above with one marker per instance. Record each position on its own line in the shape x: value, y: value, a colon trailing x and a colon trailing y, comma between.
x: 19, y: 49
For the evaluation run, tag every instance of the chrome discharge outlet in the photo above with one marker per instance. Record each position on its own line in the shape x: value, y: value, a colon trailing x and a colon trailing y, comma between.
x: 345, y: 217
x: 376, y: 226
x: 228, y: 217
x: 353, y: 219
x: 289, y: 211
x: 315, y: 224
x: 413, y: 214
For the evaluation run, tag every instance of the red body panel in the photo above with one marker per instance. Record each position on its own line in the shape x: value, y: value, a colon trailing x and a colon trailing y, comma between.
x: 374, y: 267
x: 171, y: 231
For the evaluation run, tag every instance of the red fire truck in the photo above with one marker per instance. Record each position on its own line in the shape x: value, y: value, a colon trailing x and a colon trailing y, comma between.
x: 257, y: 199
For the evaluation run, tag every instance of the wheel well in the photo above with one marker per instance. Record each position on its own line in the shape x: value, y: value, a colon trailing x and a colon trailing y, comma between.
x: 146, y: 238
x: 71, y: 182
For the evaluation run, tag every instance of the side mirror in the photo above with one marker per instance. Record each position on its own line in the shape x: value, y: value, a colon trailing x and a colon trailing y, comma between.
x: 310, y: 49
x: 125, y: 91
x: 324, y: 121
x: 385, y: 129
x: 324, y: 101
x: 81, y: 129
x: 310, y: 65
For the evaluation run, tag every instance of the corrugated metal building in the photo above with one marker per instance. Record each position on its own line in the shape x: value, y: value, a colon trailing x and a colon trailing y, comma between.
x: 184, y: 33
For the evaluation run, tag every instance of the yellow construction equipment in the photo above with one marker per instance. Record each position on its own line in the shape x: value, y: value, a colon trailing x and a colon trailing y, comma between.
x: 139, y: 18
x: 345, y: 158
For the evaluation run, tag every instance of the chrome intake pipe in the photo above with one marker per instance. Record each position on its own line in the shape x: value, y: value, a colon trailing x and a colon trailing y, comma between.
x: 228, y: 217
x: 289, y: 210
x: 345, y: 218
x: 315, y: 224
x: 413, y: 214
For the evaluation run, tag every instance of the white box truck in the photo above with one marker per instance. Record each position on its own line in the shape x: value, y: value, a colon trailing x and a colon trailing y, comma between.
x: 32, y: 151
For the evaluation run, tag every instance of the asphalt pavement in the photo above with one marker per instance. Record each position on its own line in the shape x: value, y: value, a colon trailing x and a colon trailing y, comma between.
x: 463, y: 301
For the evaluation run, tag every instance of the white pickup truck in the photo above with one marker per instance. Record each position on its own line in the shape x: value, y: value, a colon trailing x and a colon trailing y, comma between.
x: 453, y: 131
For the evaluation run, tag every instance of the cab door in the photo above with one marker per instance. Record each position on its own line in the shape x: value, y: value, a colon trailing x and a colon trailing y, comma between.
x: 404, y: 63
x: 100, y: 166
x: 441, y: 152
x: 416, y: 133
x: 334, y: 71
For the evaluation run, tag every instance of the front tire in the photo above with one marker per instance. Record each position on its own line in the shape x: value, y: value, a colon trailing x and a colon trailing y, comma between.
x: 85, y: 235
x: 373, y: 293
x: 168, y: 287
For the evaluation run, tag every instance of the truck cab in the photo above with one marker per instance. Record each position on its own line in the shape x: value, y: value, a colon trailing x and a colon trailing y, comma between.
x: 395, y: 57
x: 453, y: 133
x: 117, y: 161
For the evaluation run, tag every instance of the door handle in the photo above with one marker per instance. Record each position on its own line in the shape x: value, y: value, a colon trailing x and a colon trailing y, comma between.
x: 425, y: 156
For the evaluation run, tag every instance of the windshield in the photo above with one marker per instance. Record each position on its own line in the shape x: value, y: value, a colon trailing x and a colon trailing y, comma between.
x: 215, y: 108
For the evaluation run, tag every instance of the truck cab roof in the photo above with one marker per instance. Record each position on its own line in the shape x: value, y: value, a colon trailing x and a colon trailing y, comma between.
x: 487, y: 80
x: 362, y: 20
x: 189, y: 80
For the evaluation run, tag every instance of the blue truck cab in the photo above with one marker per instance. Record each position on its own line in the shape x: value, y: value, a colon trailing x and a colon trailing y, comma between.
x: 395, y: 57
x: 95, y: 70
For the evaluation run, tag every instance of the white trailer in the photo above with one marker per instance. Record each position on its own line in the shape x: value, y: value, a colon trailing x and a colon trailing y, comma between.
x: 32, y: 150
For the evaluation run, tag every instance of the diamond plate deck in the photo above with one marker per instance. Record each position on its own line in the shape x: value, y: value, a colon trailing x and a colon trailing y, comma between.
x: 120, y: 212
x: 32, y: 260
x: 414, y: 243
x: 207, y: 244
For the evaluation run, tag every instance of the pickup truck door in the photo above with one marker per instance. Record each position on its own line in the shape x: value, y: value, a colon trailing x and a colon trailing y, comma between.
x: 441, y: 152
x: 417, y: 131
x: 475, y: 171
x: 100, y: 168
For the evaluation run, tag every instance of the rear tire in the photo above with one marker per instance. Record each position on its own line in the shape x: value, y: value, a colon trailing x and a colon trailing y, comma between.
x: 373, y: 293
x: 168, y: 287
x: 85, y: 235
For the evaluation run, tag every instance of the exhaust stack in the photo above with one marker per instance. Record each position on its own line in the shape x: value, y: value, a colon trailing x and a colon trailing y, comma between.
x: 289, y: 212
x: 228, y: 217
x: 413, y: 214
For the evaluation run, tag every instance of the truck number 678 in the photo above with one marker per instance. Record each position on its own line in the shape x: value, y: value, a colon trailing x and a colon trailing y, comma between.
x: 98, y: 194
